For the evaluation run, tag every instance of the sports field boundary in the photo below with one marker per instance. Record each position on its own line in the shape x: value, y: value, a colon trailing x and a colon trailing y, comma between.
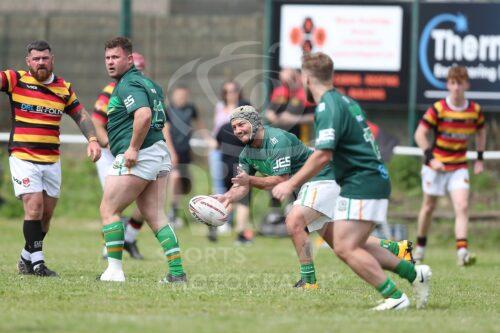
x: 199, y: 143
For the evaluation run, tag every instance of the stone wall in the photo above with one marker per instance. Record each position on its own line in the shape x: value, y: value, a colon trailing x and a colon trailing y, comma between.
x: 200, y: 51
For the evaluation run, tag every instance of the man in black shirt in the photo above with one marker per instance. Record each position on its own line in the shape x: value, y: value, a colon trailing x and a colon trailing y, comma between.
x: 182, y: 114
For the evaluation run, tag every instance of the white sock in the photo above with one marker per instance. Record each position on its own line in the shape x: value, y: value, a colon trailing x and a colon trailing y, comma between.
x: 37, y: 258
x: 114, y: 264
x: 131, y: 234
x: 25, y: 255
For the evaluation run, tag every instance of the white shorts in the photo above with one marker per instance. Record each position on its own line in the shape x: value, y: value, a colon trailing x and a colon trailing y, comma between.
x: 373, y: 210
x: 438, y: 182
x: 103, y: 164
x: 319, y: 195
x: 29, y: 177
x: 153, y: 162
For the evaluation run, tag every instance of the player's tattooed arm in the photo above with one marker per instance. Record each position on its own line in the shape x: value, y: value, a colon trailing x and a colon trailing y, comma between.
x: 83, y: 120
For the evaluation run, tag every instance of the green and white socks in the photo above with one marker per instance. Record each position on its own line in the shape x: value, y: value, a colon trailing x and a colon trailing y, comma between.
x: 168, y: 241
x: 307, y: 273
x: 390, y: 245
x: 388, y: 289
x: 406, y: 270
x: 114, y: 236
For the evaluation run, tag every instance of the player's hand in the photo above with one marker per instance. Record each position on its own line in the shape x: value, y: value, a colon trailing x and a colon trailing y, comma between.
x: 478, y: 167
x: 242, y: 179
x: 282, y: 190
x: 130, y: 157
x: 94, y: 151
x: 436, y: 165
x: 222, y: 199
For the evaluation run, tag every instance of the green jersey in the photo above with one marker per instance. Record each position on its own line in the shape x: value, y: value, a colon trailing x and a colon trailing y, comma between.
x: 282, y: 153
x: 132, y: 92
x: 340, y: 125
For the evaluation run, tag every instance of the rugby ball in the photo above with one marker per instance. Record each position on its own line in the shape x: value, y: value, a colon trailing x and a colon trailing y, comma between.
x: 208, y: 210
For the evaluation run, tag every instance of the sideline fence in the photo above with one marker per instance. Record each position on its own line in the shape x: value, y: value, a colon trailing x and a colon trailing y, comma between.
x: 199, y: 143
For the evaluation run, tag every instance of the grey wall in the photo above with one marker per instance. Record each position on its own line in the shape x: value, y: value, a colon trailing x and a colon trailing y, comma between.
x: 201, y: 51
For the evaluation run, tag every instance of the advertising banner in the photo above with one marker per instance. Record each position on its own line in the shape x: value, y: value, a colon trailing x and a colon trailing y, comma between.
x: 465, y: 34
x: 365, y: 41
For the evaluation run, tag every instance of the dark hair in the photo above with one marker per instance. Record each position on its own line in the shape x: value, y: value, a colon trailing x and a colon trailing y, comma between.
x: 123, y: 42
x: 319, y: 65
x: 39, y: 45
x: 238, y: 88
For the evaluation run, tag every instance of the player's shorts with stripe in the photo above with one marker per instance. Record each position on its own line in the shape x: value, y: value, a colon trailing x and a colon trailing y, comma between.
x: 319, y: 195
x: 437, y: 183
x: 28, y: 177
x: 374, y: 210
x: 152, y: 162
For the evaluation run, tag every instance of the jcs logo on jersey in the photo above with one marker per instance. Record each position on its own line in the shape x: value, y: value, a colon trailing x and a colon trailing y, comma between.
x: 129, y: 101
x: 283, y: 162
x: 327, y: 134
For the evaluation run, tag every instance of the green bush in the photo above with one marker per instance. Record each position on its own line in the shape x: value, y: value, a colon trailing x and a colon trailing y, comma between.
x: 484, y: 181
x: 405, y: 172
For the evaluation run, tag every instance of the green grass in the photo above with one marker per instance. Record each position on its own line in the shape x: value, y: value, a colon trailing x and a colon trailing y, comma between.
x: 234, y: 289
x: 231, y: 289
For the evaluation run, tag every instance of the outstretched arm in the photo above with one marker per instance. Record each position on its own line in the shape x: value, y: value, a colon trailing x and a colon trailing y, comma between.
x: 84, y: 122
x: 262, y: 183
x: 235, y: 193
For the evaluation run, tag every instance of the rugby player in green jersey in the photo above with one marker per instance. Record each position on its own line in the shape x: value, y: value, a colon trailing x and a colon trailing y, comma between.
x: 344, y: 141
x: 136, y: 117
x: 277, y: 155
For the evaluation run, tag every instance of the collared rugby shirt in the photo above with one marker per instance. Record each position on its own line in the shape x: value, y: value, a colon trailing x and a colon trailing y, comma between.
x: 452, y: 129
x: 37, y: 109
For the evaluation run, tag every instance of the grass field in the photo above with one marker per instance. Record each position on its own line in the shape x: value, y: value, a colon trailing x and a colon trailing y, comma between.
x: 234, y: 289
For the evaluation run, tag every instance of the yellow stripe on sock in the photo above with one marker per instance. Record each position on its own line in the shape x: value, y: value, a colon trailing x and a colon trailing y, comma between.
x: 174, y: 256
x: 115, y: 249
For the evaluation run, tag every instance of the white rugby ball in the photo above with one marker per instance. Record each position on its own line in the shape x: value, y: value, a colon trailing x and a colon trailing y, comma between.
x: 208, y: 210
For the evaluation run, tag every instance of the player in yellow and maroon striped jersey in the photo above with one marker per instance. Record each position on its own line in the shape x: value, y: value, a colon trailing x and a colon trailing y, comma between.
x: 38, y: 100
x: 452, y: 121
